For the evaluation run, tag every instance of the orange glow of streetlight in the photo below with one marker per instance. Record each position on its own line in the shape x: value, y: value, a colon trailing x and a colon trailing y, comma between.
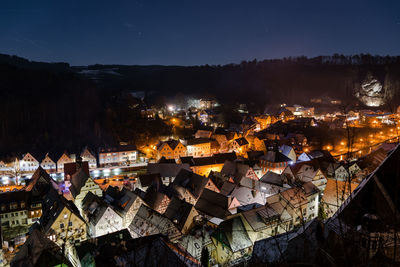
x: 342, y: 143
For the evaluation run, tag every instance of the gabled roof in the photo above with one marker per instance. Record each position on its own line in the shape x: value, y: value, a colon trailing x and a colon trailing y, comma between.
x: 41, y: 181
x: 178, y: 212
x: 78, y: 180
x: 48, y: 156
x: 99, y: 213
x: 275, y: 156
x: 272, y: 178
x: 88, y: 200
x: 297, y: 196
x: 295, y: 168
x: 214, y: 204
x: 191, y: 181
x: 73, y: 167
x: 322, y: 154
x: 87, y: 149
x: 233, y: 234
x: 285, y: 150
x: 246, y: 195
x: 30, y: 154
x: 227, y: 188
x: 336, y: 192
x: 171, y: 143
x: 236, y: 170
x: 52, y: 206
x: 154, y: 198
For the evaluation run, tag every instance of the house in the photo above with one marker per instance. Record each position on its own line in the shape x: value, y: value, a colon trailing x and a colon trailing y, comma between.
x: 188, y: 186
x: 199, y: 243
x: 237, y: 171
x: 247, y: 195
x: 199, y: 147
x: 48, y: 164
x: 81, y: 184
x: 272, y: 183
x: 203, y: 166
x: 40, y: 183
x: 255, y: 143
x: 261, y: 222
x: 288, y: 151
x: 232, y: 242
x: 300, y: 202
x: 286, y: 115
x: 156, y: 200
x: 124, y: 155
x: 167, y: 171
x: 222, y: 142
x: 339, y: 172
x: 28, y: 163
x: 274, y: 161
x: 354, y: 169
x: 103, y: 220
x: 239, y: 145
x: 65, y: 158
x: 18, y: 209
x: 308, y: 171
x: 90, y: 157
x: 149, y: 222
x: 127, y: 205
x: 172, y: 149
x: 304, y: 157
x: 182, y: 214
x: 216, y: 205
x: 263, y: 121
x: 61, y: 219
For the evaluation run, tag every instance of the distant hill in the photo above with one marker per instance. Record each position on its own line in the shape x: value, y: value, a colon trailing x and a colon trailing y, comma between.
x: 24, y: 63
x: 289, y: 80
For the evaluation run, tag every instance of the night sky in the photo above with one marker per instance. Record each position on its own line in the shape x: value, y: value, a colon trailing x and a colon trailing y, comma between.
x: 195, y: 32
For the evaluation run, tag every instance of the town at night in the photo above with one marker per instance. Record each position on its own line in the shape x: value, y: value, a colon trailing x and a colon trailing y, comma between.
x: 229, y: 133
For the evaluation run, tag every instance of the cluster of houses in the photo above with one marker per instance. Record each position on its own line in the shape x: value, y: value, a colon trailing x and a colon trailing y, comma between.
x: 220, y: 195
x: 123, y: 155
x: 221, y: 204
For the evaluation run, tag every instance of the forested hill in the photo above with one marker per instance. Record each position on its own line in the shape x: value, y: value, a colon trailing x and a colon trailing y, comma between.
x: 292, y: 80
x: 52, y: 106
